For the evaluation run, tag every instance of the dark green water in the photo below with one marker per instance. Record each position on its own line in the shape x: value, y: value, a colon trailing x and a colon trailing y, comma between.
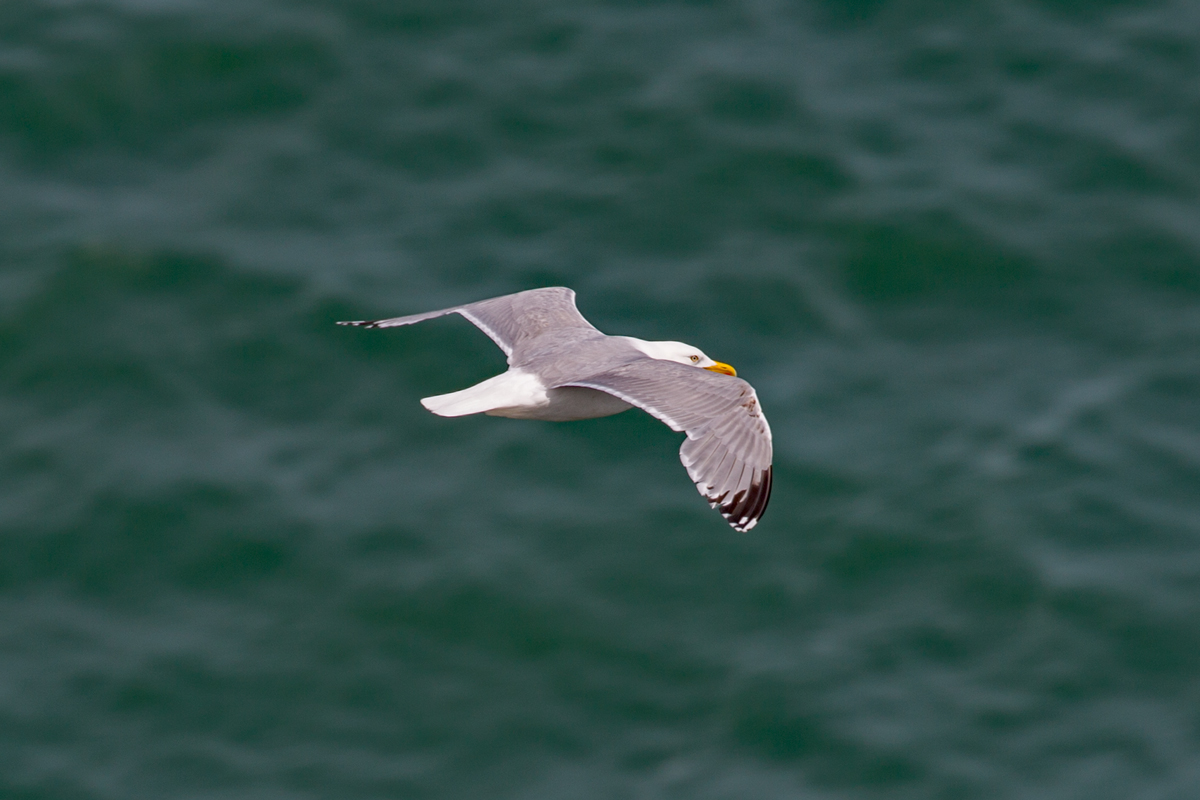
x: 955, y: 246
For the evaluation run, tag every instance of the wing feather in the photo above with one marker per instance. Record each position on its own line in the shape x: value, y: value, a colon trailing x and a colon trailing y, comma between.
x: 727, y: 452
x: 511, y: 321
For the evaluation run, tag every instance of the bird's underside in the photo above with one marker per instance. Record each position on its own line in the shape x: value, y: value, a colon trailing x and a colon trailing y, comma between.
x: 562, y: 368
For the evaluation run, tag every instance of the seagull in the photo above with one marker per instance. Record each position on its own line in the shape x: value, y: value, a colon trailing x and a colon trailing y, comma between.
x: 560, y: 368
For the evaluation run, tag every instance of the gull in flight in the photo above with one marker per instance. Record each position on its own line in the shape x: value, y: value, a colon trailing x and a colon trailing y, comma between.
x: 562, y: 368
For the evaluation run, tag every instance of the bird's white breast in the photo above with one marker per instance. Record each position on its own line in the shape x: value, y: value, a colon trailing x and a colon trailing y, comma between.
x: 568, y: 403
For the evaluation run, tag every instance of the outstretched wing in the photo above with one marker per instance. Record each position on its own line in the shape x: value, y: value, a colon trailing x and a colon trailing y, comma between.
x: 510, y: 320
x: 728, y: 447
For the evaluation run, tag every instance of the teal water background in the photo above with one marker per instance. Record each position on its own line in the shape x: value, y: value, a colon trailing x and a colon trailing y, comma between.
x: 955, y: 246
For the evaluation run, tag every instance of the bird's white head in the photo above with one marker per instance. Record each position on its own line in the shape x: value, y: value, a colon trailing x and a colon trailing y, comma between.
x: 680, y: 353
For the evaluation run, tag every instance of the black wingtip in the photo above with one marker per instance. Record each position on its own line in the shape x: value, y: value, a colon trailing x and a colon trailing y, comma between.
x: 746, y: 507
x: 362, y: 323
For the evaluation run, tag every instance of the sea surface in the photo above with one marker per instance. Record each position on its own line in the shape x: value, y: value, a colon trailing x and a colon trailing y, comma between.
x: 954, y: 246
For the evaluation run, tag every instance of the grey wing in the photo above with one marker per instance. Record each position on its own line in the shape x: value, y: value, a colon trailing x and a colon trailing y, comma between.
x: 727, y: 452
x: 511, y: 320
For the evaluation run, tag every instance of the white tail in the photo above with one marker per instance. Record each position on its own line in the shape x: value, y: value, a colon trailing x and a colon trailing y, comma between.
x: 512, y: 389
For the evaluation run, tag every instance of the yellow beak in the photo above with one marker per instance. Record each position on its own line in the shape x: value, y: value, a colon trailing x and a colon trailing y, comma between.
x: 724, y: 369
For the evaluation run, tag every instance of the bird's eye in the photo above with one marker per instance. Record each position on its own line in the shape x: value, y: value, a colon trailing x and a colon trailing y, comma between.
x: 695, y: 359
